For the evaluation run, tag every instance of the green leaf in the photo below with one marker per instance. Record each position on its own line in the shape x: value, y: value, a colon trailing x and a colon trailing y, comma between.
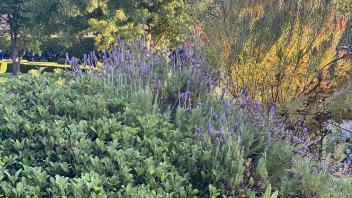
x: 213, y: 191
x: 275, y: 194
x: 19, y: 189
x: 267, y: 191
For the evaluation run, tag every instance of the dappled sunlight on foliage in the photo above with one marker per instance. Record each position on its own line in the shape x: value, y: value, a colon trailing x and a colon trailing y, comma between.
x: 178, y: 98
x: 283, y: 52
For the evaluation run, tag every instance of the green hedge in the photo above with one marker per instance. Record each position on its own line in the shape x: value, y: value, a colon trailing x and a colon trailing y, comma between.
x: 49, y: 66
x: 54, y: 46
x: 27, y: 67
x: 54, y: 50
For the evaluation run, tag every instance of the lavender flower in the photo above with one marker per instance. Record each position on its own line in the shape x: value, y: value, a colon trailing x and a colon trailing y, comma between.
x: 67, y: 60
x: 138, y: 42
x: 199, y: 104
x: 89, y: 60
x: 75, y: 66
x: 117, y: 55
x: 227, y: 107
x: 223, y: 119
x: 215, y: 116
x: 94, y: 59
x: 173, y: 60
x: 222, y: 132
x: 218, y: 140
x: 346, y: 134
x: 210, y: 87
x: 188, y: 85
x: 122, y: 43
x: 158, y: 85
x: 85, y: 59
x: 210, y: 130
x: 305, y: 131
x: 245, y: 92
x: 144, y: 67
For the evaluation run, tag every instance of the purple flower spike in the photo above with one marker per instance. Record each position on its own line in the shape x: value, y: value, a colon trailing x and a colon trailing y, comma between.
x: 85, y: 59
x: 222, y: 132
x: 215, y: 116
x: 89, y: 61
x: 231, y: 133
x: 222, y: 119
x: 305, y: 130
x: 145, y: 70
x: 223, y: 135
x: 117, y: 55
x: 218, y: 140
x: 79, y: 73
x: 346, y: 134
x: 122, y: 43
x: 172, y: 61
x: 94, y: 56
x: 227, y: 108
x: 199, y: 104
x: 75, y: 66
x: 67, y: 60
x: 188, y: 85
x: 210, y: 130
x: 245, y: 92
x: 158, y: 84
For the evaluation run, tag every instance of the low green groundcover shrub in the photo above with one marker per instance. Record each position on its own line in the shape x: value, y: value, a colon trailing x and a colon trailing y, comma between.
x: 62, y: 137
x: 71, y: 139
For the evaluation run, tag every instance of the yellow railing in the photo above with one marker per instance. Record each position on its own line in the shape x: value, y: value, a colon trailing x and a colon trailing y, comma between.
x: 3, y: 67
x: 4, y: 64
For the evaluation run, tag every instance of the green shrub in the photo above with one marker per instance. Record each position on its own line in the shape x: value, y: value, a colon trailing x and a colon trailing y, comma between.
x: 54, y: 49
x: 77, y: 140
x: 25, y: 68
x: 63, y: 137
x: 82, y: 47
x: 308, y: 179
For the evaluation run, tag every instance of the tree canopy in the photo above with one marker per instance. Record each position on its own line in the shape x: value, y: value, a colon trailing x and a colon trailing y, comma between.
x: 165, y: 20
x: 33, y: 21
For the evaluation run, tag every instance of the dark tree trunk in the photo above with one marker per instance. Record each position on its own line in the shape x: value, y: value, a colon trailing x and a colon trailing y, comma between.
x: 15, y: 53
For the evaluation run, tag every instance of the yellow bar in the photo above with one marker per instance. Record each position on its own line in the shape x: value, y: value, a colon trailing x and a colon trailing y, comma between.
x: 3, y: 67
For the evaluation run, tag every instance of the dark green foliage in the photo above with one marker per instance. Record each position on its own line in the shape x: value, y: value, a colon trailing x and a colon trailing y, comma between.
x: 78, y: 141
x: 81, y: 47
x: 165, y: 21
x: 81, y: 138
x: 25, y: 68
x: 54, y: 50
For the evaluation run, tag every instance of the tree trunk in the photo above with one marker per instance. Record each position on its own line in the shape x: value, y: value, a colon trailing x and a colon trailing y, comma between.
x: 15, y: 53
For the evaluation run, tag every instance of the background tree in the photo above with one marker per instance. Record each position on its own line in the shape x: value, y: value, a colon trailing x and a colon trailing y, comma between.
x: 344, y: 7
x: 27, y: 26
x: 166, y: 21
x: 12, y: 12
x: 31, y: 22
